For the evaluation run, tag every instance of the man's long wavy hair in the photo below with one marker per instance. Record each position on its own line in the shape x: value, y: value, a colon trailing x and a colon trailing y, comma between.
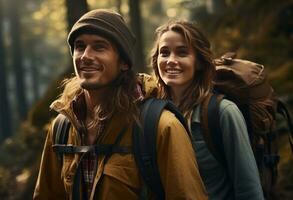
x: 122, y: 99
x: 202, y: 83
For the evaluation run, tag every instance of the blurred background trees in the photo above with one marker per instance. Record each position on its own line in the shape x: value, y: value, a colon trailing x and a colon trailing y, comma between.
x: 34, y: 59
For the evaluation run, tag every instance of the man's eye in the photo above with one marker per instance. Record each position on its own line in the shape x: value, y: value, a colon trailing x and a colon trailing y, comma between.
x: 79, y: 47
x: 99, y: 47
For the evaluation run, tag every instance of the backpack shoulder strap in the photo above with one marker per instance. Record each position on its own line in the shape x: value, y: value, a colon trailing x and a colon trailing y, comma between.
x: 60, y: 137
x: 60, y: 132
x: 282, y: 109
x: 144, y: 142
x: 144, y: 145
x: 211, y: 130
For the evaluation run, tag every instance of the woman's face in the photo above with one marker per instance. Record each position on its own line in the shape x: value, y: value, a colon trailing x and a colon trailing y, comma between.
x: 176, y: 61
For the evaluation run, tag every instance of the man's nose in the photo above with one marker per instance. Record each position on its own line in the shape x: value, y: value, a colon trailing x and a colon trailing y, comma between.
x: 88, y: 54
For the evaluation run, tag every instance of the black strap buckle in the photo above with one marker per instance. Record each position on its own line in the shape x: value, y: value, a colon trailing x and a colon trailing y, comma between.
x: 271, y: 160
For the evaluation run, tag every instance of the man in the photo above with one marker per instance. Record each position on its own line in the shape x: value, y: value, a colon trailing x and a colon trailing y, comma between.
x: 100, y: 103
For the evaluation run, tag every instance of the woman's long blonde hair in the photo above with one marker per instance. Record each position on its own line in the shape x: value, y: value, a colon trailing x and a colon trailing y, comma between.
x: 202, y: 83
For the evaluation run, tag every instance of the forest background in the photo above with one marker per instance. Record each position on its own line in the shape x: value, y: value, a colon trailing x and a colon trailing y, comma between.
x: 34, y: 59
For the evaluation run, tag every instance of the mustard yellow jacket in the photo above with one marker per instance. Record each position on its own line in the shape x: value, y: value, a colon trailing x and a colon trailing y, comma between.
x: 119, y: 178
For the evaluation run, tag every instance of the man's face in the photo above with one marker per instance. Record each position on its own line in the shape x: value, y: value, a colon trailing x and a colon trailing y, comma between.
x: 96, y: 61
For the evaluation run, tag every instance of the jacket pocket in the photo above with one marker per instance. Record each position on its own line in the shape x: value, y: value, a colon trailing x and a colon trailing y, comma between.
x: 68, y: 174
x: 123, y: 168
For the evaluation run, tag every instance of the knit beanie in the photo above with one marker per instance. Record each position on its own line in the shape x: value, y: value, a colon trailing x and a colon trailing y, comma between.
x: 108, y: 24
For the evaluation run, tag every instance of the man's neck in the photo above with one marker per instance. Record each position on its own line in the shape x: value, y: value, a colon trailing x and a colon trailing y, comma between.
x: 96, y: 97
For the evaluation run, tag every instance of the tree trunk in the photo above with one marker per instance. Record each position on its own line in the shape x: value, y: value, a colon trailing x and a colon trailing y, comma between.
x: 75, y: 9
x: 34, y: 72
x: 118, y: 6
x: 17, y: 59
x: 136, y: 27
x: 157, y: 8
x: 39, y: 114
x: 5, y: 112
x: 216, y: 7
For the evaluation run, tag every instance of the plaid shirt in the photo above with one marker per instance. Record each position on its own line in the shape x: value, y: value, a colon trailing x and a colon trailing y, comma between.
x: 89, y: 162
x: 89, y: 168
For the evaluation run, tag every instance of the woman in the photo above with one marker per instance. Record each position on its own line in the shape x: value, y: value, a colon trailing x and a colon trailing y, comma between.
x: 182, y: 62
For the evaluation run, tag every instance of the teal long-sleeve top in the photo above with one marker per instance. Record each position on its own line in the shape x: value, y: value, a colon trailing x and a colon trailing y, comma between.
x: 239, y: 179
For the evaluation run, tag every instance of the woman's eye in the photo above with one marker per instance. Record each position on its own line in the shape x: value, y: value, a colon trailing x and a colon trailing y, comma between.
x: 182, y: 51
x: 164, y: 53
x: 182, y: 54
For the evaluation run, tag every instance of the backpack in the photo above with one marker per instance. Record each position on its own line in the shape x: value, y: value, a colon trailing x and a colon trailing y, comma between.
x: 241, y: 81
x: 143, y: 147
x: 246, y: 84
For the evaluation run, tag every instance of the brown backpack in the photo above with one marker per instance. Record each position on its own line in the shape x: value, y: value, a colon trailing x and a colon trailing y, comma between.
x: 246, y: 84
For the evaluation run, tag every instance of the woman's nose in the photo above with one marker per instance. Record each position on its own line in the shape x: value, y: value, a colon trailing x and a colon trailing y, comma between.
x: 172, y: 60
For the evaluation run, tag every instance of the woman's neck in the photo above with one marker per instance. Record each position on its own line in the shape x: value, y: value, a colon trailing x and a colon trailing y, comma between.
x: 176, y: 94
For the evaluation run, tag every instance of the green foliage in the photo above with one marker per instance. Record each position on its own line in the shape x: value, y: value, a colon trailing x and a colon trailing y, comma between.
x: 4, y: 179
x: 258, y: 30
x: 19, y: 156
